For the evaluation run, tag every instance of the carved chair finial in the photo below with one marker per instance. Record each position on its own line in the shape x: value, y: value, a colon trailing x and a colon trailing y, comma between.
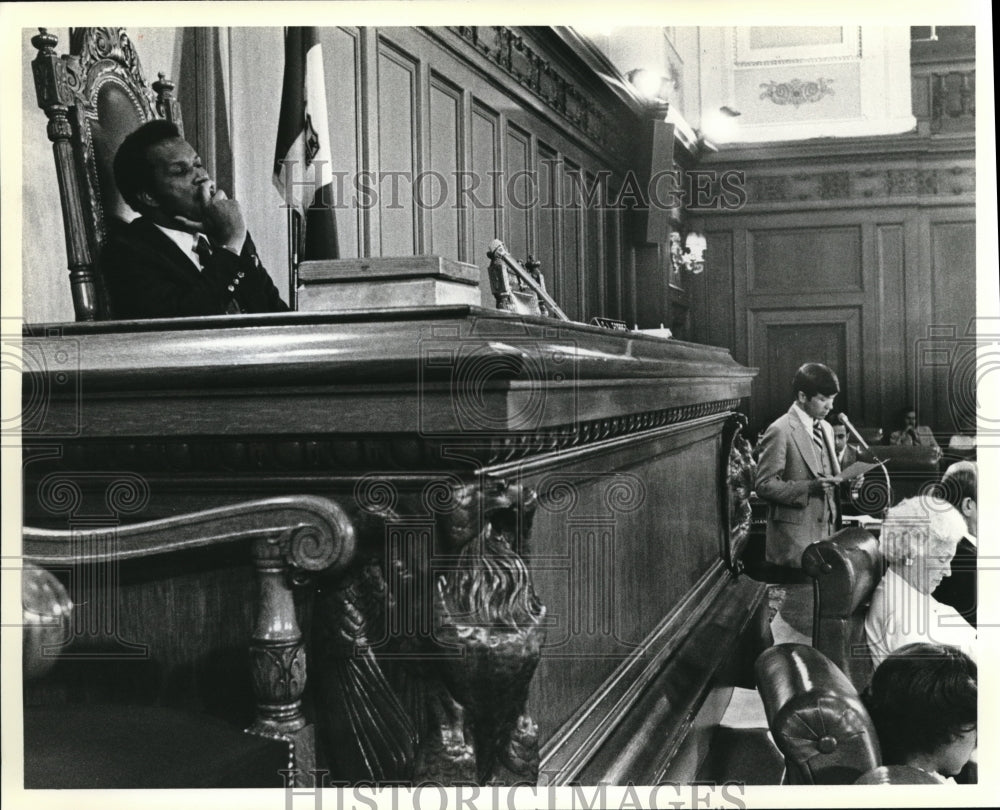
x: 45, y: 42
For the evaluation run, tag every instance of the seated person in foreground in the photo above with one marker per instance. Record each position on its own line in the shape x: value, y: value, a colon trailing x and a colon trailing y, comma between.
x: 923, y: 703
x: 959, y: 486
x: 919, y: 538
x: 189, y: 252
x: 908, y: 432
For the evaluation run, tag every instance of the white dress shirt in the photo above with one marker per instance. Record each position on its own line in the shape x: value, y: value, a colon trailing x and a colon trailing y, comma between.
x: 186, y: 241
x: 900, y: 614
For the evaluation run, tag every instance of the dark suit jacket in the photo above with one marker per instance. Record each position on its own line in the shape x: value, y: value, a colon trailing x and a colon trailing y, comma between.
x: 959, y: 590
x: 148, y: 276
x: 795, y: 519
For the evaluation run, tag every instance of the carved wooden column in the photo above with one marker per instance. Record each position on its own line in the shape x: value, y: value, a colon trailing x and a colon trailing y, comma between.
x: 277, y: 651
x: 54, y: 78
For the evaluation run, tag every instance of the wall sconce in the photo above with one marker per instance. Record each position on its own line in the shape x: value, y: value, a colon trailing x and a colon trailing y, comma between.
x: 687, y: 251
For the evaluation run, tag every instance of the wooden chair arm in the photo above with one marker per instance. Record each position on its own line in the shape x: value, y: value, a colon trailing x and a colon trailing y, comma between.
x: 290, y: 537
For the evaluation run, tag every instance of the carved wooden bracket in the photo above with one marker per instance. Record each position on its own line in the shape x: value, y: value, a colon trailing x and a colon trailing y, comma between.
x: 739, y: 470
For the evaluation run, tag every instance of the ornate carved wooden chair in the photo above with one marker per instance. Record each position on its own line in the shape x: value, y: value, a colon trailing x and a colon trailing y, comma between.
x: 93, y: 97
x: 142, y: 682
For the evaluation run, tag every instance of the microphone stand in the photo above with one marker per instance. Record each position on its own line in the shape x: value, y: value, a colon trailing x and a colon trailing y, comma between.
x: 842, y: 418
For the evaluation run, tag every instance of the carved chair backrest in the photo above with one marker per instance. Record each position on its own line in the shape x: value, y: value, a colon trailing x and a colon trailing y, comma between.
x: 93, y: 97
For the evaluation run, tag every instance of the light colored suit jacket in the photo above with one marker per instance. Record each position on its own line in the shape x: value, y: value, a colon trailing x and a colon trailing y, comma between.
x: 786, y: 465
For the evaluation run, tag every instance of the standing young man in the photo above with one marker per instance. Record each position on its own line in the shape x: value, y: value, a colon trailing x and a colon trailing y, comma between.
x: 797, y: 470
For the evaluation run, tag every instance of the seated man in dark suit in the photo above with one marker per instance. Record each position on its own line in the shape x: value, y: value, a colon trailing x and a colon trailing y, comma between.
x: 959, y: 486
x: 189, y: 252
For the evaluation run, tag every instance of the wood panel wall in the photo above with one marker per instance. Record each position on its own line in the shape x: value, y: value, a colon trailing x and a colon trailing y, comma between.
x: 860, y: 254
x: 493, y: 160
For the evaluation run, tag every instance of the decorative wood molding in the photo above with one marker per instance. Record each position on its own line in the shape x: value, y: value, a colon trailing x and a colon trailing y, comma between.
x: 861, y: 184
x: 341, y: 454
x: 519, y: 59
x: 796, y: 92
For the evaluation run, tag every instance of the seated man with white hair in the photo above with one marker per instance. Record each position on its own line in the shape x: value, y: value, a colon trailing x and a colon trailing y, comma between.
x: 919, y: 538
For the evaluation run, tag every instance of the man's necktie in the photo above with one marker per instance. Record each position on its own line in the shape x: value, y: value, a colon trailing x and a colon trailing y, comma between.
x: 819, y: 441
x: 203, y: 249
x: 913, y: 436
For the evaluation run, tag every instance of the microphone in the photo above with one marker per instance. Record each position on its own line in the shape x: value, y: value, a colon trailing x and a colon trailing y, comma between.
x: 842, y: 418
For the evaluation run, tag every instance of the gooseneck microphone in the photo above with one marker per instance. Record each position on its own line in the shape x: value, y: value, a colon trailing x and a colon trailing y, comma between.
x: 842, y: 418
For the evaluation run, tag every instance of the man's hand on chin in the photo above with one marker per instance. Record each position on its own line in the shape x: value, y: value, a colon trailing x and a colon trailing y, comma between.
x: 221, y: 218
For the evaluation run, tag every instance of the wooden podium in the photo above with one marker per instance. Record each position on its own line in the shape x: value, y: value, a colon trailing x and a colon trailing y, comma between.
x: 549, y: 522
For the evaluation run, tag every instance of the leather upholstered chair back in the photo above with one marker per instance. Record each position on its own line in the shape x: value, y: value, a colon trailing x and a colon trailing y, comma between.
x: 815, y: 716
x: 846, y: 568
x: 93, y: 97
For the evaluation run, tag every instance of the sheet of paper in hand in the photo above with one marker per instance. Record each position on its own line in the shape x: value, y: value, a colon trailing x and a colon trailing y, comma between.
x: 858, y: 468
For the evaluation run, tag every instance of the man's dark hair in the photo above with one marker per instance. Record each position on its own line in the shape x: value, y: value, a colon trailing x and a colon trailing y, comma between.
x: 922, y: 696
x: 132, y: 167
x: 815, y: 378
x: 902, y: 413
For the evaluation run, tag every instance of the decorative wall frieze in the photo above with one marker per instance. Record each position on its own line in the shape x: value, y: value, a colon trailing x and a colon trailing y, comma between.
x: 796, y: 91
x: 518, y: 58
x: 342, y: 454
x: 860, y: 184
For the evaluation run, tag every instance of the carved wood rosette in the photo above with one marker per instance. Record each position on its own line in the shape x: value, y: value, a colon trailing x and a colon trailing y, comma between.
x: 425, y: 650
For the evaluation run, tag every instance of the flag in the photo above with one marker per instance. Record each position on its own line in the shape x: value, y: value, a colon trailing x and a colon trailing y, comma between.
x: 302, y: 168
